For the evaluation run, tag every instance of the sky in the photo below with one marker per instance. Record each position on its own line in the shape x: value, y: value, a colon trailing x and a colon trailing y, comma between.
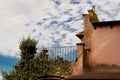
x: 52, y: 22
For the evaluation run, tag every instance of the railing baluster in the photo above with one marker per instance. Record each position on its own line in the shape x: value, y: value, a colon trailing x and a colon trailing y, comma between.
x: 67, y: 52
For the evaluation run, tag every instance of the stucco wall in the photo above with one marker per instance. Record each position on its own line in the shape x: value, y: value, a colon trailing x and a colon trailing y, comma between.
x: 105, y: 45
x: 77, y: 67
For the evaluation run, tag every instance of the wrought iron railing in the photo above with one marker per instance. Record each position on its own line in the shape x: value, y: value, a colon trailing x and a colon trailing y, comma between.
x: 66, y: 52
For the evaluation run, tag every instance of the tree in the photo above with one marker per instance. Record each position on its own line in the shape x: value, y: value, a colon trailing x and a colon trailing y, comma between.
x: 33, y: 67
x: 23, y: 69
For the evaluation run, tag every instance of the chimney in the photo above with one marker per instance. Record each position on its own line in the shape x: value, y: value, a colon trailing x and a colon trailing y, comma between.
x: 86, y: 30
x: 89, y: 18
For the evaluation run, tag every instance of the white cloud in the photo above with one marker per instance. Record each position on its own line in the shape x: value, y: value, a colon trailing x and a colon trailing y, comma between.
x: 15, y: 14
x: 1, y: 78
x: 108, y: 9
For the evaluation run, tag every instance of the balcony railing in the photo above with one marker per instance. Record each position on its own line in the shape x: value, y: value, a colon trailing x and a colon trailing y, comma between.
x: 66, y: 52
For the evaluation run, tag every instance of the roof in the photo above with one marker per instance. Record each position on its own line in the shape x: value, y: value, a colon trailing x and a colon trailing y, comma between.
x: 106, y: 23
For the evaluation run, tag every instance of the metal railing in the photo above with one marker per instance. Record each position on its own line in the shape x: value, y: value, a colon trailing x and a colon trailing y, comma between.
x: 66, y: 52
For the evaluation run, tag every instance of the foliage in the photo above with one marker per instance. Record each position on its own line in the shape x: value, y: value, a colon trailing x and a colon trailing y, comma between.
x: 33, y: 67
x: 28, y: 48
x: 22, y: 70
x: 61, y: 66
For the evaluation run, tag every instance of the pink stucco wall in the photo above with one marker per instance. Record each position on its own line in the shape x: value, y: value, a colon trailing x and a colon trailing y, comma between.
x: 77, y: 66
x: 105, y: 45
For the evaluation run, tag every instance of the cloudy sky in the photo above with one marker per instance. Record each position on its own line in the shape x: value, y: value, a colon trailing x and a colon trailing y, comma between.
x: 52, y: 22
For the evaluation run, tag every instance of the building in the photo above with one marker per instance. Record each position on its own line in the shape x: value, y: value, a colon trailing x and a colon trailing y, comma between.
x: 99, y: 49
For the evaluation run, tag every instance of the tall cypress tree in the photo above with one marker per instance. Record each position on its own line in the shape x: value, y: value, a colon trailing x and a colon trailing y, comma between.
x: 28, y: 50
x: 22, y: 70
x: 31, y: 67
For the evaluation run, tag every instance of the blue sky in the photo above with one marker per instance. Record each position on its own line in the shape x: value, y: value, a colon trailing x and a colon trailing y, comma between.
x: 52, y: 22
x: 7, y: 63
